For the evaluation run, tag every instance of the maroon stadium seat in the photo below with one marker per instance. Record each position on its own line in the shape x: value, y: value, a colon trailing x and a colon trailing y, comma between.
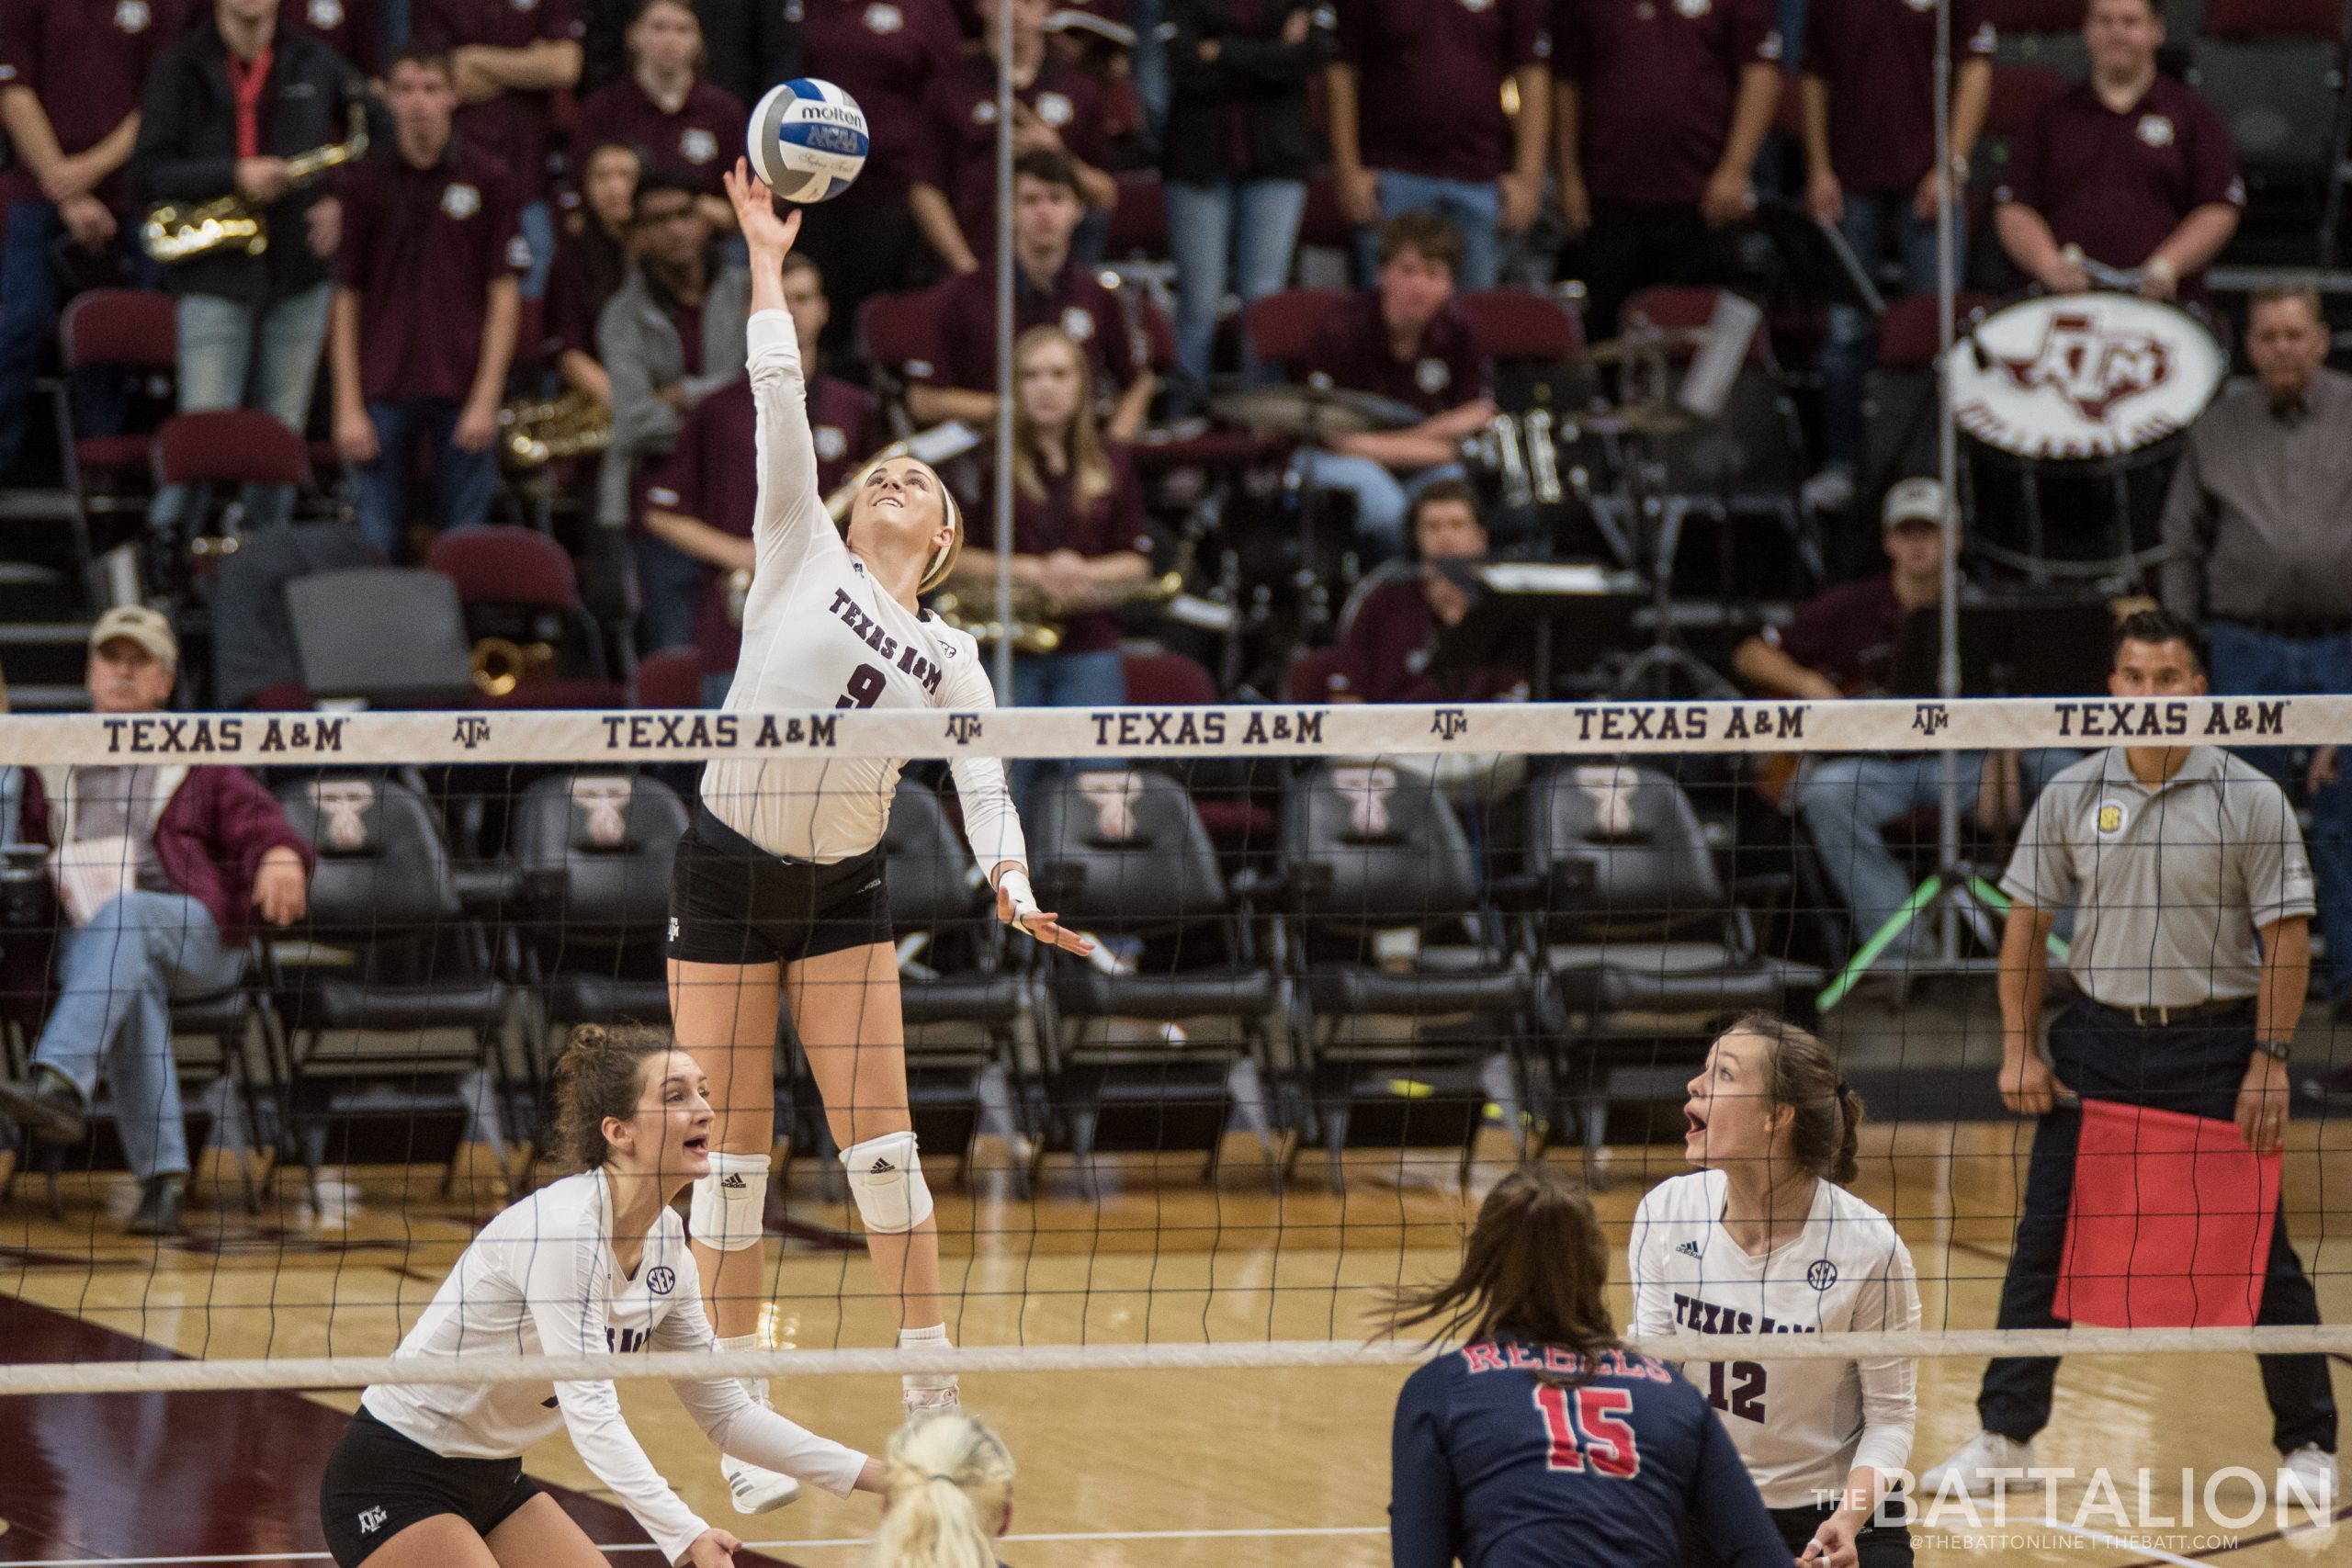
x: 1906, y: 335
x: 1512, y: 323
x: 225, y: 447
x: 1139, y: 223
x: 519, y: 585
x: 896, y: 329
x: 1281, y: 326
x: 1172, y: 680
x: 669, y: 678
x: 2248, y: 19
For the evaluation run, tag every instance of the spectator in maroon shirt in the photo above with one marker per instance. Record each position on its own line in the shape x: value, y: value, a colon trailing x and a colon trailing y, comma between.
x: 350, y: 27
x: 1869, y: 141
x: 425, y: 308
x: 1057, y: 109
x: 1660, y: 106
x: 887, y: 55
x: 71, y: 72
x: 1407, y: 342
x: 510, y: 60
x: 702, y: 500
x: 2129, y: 169
x: 1415, y: 109
x: 1049, y: 288
x: 665, y: 109
x: 1383, y: 650
x: 591, y: 262
x: 1078, y: 533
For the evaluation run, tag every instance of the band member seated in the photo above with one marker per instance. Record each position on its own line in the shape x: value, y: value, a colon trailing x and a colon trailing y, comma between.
x: 1049, y: 288
x: 1847, y: 643
x: 1384, y: 651
x: 1407, y: 342
x: 702, y: 500
x: 1078, y: 536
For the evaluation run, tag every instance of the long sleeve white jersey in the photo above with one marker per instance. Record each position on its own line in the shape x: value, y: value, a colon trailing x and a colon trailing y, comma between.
x: 819, y: 633
x: 1800, y: 1426
x: 542, y: 1277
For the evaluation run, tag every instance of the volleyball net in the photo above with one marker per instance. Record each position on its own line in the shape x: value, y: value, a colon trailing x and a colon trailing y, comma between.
x: 1352, y: 963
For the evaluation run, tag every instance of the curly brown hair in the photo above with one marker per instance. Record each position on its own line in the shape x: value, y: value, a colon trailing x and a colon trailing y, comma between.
x: 600, y: 1074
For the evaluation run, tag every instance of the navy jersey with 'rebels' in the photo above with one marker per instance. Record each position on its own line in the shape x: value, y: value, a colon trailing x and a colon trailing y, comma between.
x: 1503, y: 1457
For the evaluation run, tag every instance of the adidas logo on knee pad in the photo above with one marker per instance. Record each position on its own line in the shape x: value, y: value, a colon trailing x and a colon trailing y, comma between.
x: 882, y: 1167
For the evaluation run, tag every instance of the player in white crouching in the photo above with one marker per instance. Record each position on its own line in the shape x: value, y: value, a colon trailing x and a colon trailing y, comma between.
x: 430, y: 1476
x: 777, y: 897
x: 1764, y: 1238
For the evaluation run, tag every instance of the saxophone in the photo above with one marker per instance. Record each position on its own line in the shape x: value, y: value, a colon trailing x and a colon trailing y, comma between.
x: 176, y: 233
x: 533, y: 432
x: 1036, y: 626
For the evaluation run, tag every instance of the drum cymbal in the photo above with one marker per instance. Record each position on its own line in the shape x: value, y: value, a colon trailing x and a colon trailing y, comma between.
x: 1638, y: 345
x: 1312, y: 411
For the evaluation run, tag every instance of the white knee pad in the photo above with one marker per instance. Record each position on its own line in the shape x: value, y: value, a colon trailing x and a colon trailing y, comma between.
x: 730, y: 1205
x: 886, y: 1179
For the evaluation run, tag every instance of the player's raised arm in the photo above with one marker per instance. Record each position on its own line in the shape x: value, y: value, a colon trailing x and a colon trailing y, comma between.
x: 791, y: 511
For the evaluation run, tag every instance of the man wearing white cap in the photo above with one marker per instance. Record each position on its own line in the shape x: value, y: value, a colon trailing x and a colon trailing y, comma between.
x: 1848, y: 643
x: 160, y: 872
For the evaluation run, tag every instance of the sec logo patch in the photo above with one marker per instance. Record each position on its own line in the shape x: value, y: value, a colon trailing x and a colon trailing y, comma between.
x: 660, y: 1282
x: 1822, y: 1275
x: 2111, y: 816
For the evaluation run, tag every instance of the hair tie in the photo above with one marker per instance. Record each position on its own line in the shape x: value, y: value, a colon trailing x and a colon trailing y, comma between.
x: 1842, y: 1090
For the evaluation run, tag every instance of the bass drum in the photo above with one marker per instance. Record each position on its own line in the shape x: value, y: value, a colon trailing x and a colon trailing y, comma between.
x: 2072, y: 404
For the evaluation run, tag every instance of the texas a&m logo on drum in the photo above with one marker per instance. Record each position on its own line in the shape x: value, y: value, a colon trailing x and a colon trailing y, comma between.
x: 2083, y: 375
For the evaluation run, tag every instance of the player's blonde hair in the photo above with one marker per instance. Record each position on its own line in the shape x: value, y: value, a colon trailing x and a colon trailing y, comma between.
x: 946, y: 1492
x: 942, y: 564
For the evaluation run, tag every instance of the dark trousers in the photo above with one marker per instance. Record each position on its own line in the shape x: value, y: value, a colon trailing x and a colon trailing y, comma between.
x: 1632, y: 246
x: 31, y: 295
x: 863, y: 245
x: 1876, y: 1545
x: 2194, y: 1068
x: 468, y: 481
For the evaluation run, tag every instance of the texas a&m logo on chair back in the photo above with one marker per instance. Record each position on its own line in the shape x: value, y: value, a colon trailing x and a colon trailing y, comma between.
x: 2071, y: 376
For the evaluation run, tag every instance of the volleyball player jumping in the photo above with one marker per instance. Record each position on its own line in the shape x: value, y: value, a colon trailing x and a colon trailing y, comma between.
x: 777, y: 898
x: 1764, y: 1238
x: 430, y: 1476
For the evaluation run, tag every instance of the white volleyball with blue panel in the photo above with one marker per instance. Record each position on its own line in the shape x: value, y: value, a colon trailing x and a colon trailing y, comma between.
x: 808, y: 139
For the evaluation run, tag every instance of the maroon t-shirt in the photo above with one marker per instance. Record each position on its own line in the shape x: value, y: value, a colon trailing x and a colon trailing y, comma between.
x: 514, y: 126
x: 86, y: 62
x: 1383, y: 656
x: 708, y: 475
x: 1040, y: 527
x: 697, y: 143
x: 578, y: 285
x: 423, y: 247
x: 1078, y: 303
x: 886, y: 55
x: 1878, y: 59
x: 1655, y: 81
x: 1853, y: 633
x: 347, y: 27
x: 2118, y: 184
x: 1428, y: 81
x: 1351, y: 347
x: 959, y: 152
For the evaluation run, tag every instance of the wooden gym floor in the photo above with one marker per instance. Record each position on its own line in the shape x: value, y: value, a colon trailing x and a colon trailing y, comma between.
x: 1147, y: 1470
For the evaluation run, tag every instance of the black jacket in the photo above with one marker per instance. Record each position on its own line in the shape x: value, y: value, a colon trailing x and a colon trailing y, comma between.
x: 187, y: 152
x: 1256, y: 70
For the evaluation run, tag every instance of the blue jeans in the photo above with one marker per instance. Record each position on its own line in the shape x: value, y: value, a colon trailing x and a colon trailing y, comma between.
x: 116, y: 976
x: 670, y: 588
x: 2194, y: 1069
x: 467, y: 481
x: 2253, y: 663
x: 1846, y: 801
x: 1872, y: 220
x: 1244, y: 231
x: 538, y: 221
x: 1383, y: 496
x: 1096, y: 680
x: 28, y: 313
x: 232, y: 356
x: 1472, y: 206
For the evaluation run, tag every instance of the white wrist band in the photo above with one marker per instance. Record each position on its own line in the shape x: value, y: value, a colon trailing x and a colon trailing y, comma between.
x: 1014, y: 883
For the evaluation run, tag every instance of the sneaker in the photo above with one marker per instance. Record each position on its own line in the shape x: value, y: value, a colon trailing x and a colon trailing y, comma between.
x: 159, y: 1208
x: 2310, y: 1472
x: 48, y: 1103
x: 1969, y: 1469
x: 924, y: 1396
x: 757, y: 1490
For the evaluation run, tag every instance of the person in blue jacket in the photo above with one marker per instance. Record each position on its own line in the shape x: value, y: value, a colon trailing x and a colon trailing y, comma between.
x: 1541, y: 1441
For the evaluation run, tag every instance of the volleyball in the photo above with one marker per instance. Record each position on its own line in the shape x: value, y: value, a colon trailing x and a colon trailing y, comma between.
x: 808, y: 139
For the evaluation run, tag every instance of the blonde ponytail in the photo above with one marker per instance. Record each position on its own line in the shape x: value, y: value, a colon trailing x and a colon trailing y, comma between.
x: 946, y: 1488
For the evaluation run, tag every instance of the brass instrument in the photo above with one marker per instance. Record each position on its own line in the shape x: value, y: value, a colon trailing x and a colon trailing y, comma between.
x: 1034, y: 627
x: 534, y: 432
x: 501, y: 664
x: 176, y: 233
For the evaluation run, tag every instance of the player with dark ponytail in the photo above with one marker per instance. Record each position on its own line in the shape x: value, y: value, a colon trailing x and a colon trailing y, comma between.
x: 1765, y: 1238
x: 1541, y: 1442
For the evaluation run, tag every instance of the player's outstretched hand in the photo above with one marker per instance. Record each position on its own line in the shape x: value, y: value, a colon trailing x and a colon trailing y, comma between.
x: 712, y: 1549
x: 1017, y: 908
x: 1832, y: 1545
x: 764, y: 233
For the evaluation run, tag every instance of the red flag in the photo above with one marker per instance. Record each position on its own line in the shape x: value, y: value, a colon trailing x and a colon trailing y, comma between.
x: 2170, y: 1223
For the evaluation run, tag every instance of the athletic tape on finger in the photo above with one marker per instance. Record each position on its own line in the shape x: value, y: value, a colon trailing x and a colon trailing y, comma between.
x: 1014, y: 884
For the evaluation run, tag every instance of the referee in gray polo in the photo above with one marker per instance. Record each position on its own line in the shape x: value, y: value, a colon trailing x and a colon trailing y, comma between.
x: 2191, y: 951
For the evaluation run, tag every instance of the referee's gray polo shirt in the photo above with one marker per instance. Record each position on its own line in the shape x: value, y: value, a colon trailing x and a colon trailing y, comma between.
x: 2170, y: 885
